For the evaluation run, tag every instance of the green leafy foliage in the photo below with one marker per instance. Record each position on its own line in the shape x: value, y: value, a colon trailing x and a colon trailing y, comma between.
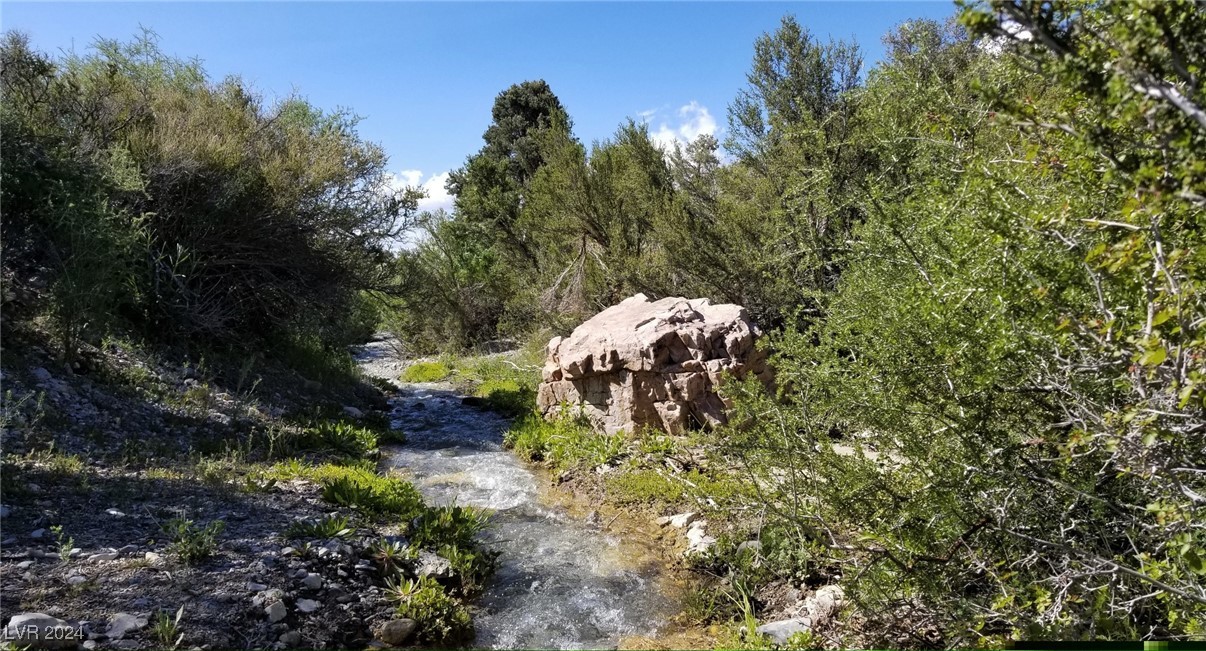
x: 564, y: 442
x: 190, y: 542
x: 391, y: 555
x: 184, y: 207
x: 425, y: 372
x: 440, y: 618
x: 329, y: 526
x: 363, y: 489
x: 454, y: 525
x: 166, y: 629
x: 645, y: 487
x: 507, y: 397
x: 343, y: 438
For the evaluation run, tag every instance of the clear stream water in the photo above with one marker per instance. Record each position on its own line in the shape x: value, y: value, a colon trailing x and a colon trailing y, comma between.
x: 562, y: 582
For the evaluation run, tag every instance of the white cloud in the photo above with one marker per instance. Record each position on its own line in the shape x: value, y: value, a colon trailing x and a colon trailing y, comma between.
x: 437, y: 196
x: 688, y: 123
x: 1014, y: 30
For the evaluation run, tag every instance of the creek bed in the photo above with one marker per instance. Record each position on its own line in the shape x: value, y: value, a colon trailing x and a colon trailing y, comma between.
x: 561, y: 582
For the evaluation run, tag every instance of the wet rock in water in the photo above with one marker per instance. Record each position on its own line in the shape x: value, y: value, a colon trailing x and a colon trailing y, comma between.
x: 123, y: 623
x: 276, y: 611
x: 816, y: 611
x: 651, y: 364
x: 40, y: 631
x: 396, y: 631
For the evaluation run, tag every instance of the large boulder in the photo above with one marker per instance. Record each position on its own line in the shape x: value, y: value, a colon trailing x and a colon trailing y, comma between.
x: 645, y: 363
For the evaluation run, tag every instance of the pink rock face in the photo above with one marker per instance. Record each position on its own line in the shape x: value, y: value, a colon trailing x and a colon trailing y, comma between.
x: 651, y: 364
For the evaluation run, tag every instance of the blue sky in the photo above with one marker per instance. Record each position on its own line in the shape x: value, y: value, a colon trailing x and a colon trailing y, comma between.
x: 424, y: 75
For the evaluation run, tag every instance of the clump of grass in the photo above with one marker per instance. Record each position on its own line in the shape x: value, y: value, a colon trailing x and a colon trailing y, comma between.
x: 645, y: 487
x: 66, y: 543
x: 167, y: 629
x: 330, y: 526
x: 565, y: 442
x: 56, y: 462
x: 192, y: 543
x: 507, y: 397
x: 199, y: 397
x: 365, y: 490
x: 215, y: 472
x: 390, y: 555
x: 425, y: 372
x: 704, y: 604
x: 439, y: 526
x: 440, y: 618
x: 472, y: 566
x: 344, y: 438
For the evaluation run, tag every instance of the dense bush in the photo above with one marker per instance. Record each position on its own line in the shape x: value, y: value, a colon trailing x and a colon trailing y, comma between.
x: 187, y: 207
x: 997, y: 427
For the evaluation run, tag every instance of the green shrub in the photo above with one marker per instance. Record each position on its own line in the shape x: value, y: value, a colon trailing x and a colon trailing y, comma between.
x: 354, y: 484
x: 644, y: 487
x: 372, y: 493
x: 448, y: 525
x: 189, y: 207
x: 425, y: 372
x: 507, y: 397
x: 347, y: 438
x: 390, y: 555
x: 166, y: 629
x: 440, y: 618
x: 192, y: 543
x: 564, y: 442
x: 471, y: 565
x: 328, y: 526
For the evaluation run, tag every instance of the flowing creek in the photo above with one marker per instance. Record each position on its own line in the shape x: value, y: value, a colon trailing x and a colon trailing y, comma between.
x: 562, y: 582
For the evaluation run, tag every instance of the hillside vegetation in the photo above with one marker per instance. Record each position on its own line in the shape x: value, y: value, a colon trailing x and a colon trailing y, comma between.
x: 149, y: 198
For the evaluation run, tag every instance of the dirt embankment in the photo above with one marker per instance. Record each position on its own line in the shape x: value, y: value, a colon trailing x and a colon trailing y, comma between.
x: 150, y: 503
